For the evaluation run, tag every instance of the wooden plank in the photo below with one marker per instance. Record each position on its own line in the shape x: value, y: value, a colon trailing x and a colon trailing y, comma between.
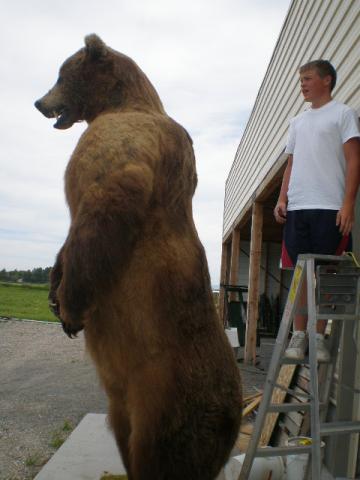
x: 242, y: 442
x: 292, y: 421
x: 284, y: 379
x: 281, y: 288
x: 303, y: 383
x: 247, y: 428
x: 252, y: 405
x: 296, y: 417
x: 291, y: 426
x: 306, y: 426
x: 266, y: 276
x: 282, y: 437
x: 298, y: 394
x: 234, y: 261
x: 304, y: 372
x: 244, y: 436
x: 250, y: 398
x: 223, y: 278
x: 254, y: 281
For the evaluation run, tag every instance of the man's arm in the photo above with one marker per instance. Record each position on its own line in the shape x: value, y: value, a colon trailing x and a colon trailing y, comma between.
x: 281, y: 206
x: 346, y: 214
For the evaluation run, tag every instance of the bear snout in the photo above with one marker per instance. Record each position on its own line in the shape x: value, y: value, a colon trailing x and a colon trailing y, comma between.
x: 64, y: 117
x: 45, y: 111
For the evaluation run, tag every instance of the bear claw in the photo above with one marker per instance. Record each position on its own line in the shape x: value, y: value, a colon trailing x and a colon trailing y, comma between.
x: 54, y: 307
x: 70, y: 330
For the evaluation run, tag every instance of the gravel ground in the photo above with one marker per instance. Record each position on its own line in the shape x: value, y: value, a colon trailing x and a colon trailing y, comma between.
x: 47, y: 385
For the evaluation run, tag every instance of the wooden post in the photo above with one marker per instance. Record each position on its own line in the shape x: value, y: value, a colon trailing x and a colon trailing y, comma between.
x: 266, y: 273
x: 281, y: 288
x: 223, y: 278
x: 234, y: 262
x: 254, y: 281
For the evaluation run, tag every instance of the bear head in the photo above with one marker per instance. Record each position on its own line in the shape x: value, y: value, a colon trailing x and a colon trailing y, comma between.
x: 95, y: 80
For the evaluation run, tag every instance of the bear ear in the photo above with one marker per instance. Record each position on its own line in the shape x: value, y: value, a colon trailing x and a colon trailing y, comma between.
x: 95, y: 48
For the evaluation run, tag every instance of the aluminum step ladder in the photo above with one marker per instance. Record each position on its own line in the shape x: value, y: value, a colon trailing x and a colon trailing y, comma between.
x: 333, y: 294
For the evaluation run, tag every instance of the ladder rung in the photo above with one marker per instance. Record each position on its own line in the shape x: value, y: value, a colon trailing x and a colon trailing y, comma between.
x: 338, y: 428
x: 350, y: 286
x: 293, y: 361
x: 289, y: 407
x: 282, y: 451
x: 290, y: 391
x: 345, y: 316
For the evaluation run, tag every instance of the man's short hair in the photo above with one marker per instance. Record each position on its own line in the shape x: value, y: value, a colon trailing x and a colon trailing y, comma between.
x: 323, y: 68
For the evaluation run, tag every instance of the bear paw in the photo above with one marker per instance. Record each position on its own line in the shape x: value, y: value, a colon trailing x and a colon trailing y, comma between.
x: 71, y: 323
x: 71, y: 319
x: 70, y: 329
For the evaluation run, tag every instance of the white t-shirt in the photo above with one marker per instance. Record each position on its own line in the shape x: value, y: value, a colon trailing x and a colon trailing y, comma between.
x: 315, y: 140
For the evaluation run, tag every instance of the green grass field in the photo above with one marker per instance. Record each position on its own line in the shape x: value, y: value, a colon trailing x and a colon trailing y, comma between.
x: 28, y: 301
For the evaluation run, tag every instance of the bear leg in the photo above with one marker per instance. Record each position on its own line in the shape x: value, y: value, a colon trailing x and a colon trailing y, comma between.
x: 145, y: 461
x: 121, y: 428
x: 156, y: 458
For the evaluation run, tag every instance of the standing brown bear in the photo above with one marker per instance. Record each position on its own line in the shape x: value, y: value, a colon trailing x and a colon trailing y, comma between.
x: 133, y: 274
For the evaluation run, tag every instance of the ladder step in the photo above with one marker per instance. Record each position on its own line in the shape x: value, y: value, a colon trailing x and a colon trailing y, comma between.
x: 345, y: 316
x: 282, y: 451
x: 289, y: 407
x: 291, y: 391
x: 294, y: 361
x: 338, y: 428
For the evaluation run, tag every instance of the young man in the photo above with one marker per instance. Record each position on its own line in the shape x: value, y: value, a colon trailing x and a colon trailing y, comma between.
x: 317, y: 198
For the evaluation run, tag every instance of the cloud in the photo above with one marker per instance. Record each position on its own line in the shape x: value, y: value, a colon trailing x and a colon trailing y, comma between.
x: 206, y: 59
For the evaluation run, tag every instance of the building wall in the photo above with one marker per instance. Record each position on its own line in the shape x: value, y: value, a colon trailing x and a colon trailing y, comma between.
x: 312, y: 29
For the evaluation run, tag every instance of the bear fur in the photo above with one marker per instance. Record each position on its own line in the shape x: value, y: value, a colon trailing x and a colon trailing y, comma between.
x: 133, y: 274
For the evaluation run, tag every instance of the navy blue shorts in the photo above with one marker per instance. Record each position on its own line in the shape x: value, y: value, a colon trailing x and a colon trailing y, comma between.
x: 312, y: 231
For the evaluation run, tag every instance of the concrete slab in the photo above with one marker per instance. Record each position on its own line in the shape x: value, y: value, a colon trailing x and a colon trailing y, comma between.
x: 89, y: 451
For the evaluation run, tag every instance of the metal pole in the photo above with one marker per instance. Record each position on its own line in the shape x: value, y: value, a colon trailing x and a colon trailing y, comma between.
x: 315, y: 416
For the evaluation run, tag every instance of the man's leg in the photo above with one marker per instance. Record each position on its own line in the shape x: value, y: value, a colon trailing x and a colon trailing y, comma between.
x: 326, y: 239
x: 296, y: 241
x: 299, y: 341
x: 300, y: 320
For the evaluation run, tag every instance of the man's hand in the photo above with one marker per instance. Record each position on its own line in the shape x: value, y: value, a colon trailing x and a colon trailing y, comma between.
x: 345, y: 219
x: 280, y: 212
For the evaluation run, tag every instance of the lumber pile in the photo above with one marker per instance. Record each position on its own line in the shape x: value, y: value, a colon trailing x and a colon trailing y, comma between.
x: 250, y: 404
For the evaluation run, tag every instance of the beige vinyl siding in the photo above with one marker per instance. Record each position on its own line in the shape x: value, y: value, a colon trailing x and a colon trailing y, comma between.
x: 313, y: 29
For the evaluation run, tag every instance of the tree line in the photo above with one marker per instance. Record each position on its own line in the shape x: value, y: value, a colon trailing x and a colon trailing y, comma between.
x: 36, y: 275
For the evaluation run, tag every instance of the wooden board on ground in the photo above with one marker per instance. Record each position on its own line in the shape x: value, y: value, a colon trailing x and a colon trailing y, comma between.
x: 243, y: 439
x: 250, y: 398
x: 242, y: 442
x: 247, y: 428
x: 284, y: 379
x: 252, y: 405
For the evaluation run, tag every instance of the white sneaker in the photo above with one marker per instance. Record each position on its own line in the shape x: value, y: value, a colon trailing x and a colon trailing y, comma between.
x: 297, y: 346
x: 322, y: 353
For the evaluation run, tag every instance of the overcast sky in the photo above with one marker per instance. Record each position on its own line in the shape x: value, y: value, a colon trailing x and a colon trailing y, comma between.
x: 205, y: 58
